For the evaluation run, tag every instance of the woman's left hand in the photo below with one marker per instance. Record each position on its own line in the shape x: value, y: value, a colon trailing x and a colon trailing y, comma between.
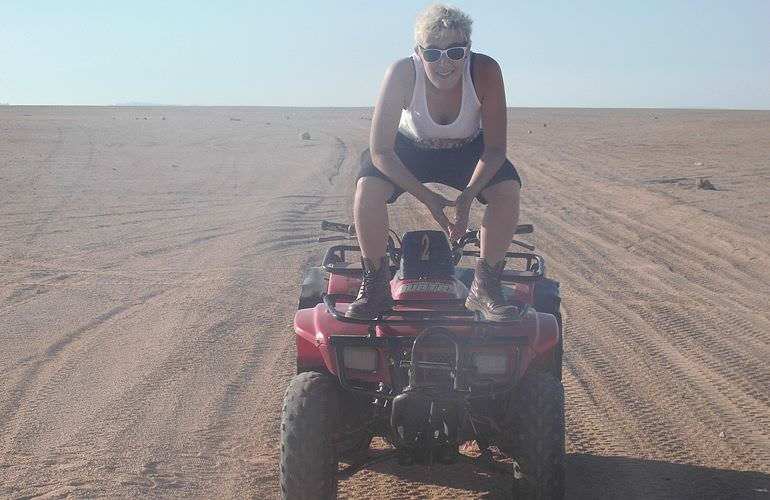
x: 462, y: 211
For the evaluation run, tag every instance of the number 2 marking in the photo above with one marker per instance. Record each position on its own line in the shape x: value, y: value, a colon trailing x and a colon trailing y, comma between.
x: 425, y: 248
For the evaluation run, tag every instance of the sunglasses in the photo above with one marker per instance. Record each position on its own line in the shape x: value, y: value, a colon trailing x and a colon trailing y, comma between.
x: 453, y: 53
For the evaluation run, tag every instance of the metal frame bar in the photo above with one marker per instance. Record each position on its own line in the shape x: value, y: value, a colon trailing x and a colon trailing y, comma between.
x: 397, y: 344
x: 432, y: 317
x: 329, y: 261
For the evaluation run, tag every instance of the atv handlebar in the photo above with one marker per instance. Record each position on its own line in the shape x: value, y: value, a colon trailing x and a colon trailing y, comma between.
x: 471, y: 236
x: 348, y: 229
x: 475, y: 238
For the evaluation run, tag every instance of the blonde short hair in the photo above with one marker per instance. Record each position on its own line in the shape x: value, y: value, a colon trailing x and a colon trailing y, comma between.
x: 437, y: 18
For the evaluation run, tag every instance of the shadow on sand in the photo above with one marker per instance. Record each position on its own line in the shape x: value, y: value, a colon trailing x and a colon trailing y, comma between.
x: 595, y: 477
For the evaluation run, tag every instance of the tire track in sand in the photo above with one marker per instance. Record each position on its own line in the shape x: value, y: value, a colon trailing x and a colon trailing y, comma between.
x: 48, y: 370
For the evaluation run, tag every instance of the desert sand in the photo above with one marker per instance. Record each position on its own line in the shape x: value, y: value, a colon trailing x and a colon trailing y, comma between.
x: 150, y: 260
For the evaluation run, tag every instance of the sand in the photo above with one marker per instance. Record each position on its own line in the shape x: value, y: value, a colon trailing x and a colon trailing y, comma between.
x: 150, y: 260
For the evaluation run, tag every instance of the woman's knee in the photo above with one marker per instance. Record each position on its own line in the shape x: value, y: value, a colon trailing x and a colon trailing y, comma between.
x: 374, y: 189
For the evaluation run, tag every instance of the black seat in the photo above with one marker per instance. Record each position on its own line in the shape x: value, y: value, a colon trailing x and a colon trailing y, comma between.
x: 426, y: 254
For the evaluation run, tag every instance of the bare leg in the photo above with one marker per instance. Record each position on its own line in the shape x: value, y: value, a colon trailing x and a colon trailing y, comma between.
x: 500, y: 220
x: 370, y: 211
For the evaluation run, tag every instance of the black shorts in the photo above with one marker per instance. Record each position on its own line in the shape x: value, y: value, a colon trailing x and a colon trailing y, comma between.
x: 452, y: 167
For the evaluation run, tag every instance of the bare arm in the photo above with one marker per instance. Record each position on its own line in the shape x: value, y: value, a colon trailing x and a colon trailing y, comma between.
x: 394, y: 95
x: 495, y: 120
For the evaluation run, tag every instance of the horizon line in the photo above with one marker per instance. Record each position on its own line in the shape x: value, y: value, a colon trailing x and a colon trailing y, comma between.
x: 151, y: 105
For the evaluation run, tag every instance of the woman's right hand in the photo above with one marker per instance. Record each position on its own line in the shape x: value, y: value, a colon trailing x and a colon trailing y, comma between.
x: 436, y: 204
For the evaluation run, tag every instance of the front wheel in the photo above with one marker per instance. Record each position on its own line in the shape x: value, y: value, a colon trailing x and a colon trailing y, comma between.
x: 308, y: 457
x: 538, y: 437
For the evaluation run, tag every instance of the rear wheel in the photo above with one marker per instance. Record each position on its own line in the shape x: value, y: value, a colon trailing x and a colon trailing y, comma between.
x: 538, y: 437
x: 308, y: 457
x: 559, y: 349
x: 548, y: 300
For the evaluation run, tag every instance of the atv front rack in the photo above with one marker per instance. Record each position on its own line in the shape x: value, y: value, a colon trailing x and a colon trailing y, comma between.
x: 533, y: 267
x: 459, y: 316
x: 424, y: 414
x: 395, y: 348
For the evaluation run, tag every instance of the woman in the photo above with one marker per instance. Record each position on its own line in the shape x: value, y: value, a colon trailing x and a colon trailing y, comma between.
x: 427, y: 127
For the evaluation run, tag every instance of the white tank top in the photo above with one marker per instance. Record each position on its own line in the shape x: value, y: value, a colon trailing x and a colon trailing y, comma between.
x: 417, y: 124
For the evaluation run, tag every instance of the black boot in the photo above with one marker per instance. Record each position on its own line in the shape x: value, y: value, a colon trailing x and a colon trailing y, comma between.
x: 374, y: 295
x: 486, y: 295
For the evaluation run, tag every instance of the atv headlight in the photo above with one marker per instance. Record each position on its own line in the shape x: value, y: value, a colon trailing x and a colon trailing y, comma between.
x: 360, y: 358
x: 490, y: 363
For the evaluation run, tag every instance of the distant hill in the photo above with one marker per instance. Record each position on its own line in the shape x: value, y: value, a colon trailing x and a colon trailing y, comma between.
x: 138, y: 103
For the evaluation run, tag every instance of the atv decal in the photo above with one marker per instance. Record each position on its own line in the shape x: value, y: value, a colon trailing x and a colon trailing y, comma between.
x: 426, y: 286
x: 425, y: 248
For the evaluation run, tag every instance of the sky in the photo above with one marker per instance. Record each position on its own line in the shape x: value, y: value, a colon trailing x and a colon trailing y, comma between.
x: 556, y: 53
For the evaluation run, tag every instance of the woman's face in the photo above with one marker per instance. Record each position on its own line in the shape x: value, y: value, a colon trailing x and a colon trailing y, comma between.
x: 445, y: 73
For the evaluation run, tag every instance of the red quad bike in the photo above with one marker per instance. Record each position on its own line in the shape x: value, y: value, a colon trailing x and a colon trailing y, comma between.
x: 427, y: 375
